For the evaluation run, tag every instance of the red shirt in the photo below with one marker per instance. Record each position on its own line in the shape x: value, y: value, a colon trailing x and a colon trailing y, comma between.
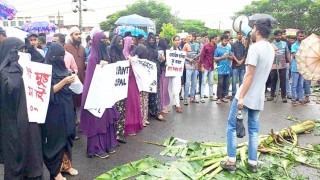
x: 206, y: 57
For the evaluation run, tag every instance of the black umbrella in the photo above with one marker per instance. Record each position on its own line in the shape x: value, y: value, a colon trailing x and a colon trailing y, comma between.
x: 255, y: 17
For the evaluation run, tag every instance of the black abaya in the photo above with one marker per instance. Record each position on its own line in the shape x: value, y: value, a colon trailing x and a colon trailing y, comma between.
x: 21, y: 140
x: 59, y: 130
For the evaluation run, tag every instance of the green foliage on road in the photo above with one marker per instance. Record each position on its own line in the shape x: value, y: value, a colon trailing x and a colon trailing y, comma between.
x: 202, y: 160
x: 298, y: 14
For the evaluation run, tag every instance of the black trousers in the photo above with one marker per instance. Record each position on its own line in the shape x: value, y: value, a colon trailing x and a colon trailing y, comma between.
x: 274, y: 79
x: 223, y: 81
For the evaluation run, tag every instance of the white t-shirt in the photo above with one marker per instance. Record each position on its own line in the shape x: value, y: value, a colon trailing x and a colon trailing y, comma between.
x: 260, y: 55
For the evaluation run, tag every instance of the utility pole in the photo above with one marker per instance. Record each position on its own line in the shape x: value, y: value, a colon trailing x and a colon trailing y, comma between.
x: 78, y: 7
x: 59, y: 20
x: 80, y: 16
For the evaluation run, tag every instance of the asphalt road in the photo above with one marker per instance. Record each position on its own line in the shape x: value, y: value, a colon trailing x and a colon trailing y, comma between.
x: 198, y: 122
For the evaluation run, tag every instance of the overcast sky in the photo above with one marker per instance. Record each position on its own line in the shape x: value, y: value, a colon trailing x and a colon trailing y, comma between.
x: 212, y: 12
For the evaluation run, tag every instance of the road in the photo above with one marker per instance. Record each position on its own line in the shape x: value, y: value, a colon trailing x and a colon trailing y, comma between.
x: 198, y: 122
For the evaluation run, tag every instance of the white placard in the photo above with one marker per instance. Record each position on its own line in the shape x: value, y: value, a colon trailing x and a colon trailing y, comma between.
x: 145, y: 72
x: 109, y: 84
x: 175, y: 63
x: 37, y: 83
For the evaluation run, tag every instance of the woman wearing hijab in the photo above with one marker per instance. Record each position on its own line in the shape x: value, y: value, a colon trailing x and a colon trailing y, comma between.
x: 133, y: 122
x: 100, y: 132
x: 21, y: 140
x: 175, y: 82
x: 142, y: 52
x: 116, y: 54
x: 154, y: 98
x: 164, y: 81
x: 59, y: 129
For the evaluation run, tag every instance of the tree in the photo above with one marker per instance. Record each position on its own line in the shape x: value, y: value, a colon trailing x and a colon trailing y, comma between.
x: 168, y: 31
x: 196, y: 26
x: 299, y: 14
x: 158, y: 11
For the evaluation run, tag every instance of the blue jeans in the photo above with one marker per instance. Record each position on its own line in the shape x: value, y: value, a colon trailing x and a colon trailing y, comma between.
x: 253, y: 128
x: 207, y: 74
x: 288, y: 79
x: 306, y: 87
x: 297, y: 86
x: 235, y: 74
x: 191, y: 80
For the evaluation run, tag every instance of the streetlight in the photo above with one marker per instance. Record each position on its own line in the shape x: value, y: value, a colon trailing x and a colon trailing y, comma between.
x: 77, y: 6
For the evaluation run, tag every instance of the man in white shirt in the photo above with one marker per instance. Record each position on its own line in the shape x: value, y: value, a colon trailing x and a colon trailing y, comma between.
x: 250, y: 96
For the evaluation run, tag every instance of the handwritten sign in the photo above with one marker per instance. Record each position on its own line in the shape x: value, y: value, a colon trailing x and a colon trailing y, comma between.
x: 175, y: 63
x: 145, y: 72
x: 109, y: 84
x: 37, y: 83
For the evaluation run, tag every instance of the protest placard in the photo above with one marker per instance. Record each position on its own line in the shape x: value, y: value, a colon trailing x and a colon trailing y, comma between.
x: 175, y: 63
x: 145, y: 72
x: 109, y: 84
x: 37, y: 83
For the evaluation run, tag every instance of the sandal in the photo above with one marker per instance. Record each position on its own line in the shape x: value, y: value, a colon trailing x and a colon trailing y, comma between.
x: 230, y: 168
x: 71, y: 171
x: 165, y: 111
x: 158, y: 117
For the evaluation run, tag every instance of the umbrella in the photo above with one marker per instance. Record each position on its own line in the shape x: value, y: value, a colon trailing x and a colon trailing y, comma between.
x: 7, y: 11
x: 255, y: 17
x: 134, y: 31
x: 134, y: 20
x: 291, y: 32
x: 308, y: 58
x: 39, y: 27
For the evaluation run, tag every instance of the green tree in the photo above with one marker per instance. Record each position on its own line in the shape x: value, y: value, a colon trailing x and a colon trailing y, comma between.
x: 196, y: 26
x: 299, y: 14
x: 168, y: 31
x: 192, y: 26
x: 158, y: 11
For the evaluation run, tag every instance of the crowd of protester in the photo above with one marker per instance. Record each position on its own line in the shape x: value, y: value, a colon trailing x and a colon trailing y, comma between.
x: 51, y: 143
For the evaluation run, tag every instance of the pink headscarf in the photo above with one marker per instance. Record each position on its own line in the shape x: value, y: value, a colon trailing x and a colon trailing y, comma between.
x: 127, y: 46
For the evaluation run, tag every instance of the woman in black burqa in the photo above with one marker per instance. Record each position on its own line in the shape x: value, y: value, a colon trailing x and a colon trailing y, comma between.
x: 21, y: 139
x: 154, y: 98
x: 58, y: 132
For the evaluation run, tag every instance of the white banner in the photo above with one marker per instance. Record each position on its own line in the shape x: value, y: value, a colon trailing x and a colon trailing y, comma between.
x: 109, y: 84
x: 37, y: 83
x: 145, y: 72
x: 175, y: 63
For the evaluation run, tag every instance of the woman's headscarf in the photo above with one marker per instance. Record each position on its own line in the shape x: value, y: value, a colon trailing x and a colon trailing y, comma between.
x: 55, y: 57
x: 116, y: 49
x: 97, y: 49
x: 163, y: 44
x: 152, y: 47
x: 127, y: 41
x: 9, y: 53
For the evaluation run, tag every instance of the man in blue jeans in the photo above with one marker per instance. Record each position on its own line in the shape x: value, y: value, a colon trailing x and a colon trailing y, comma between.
x: 297, y: 79
x: 238, y: 67
x: 222, y: 56
x: 193, y: 49
x: 250, y: 96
